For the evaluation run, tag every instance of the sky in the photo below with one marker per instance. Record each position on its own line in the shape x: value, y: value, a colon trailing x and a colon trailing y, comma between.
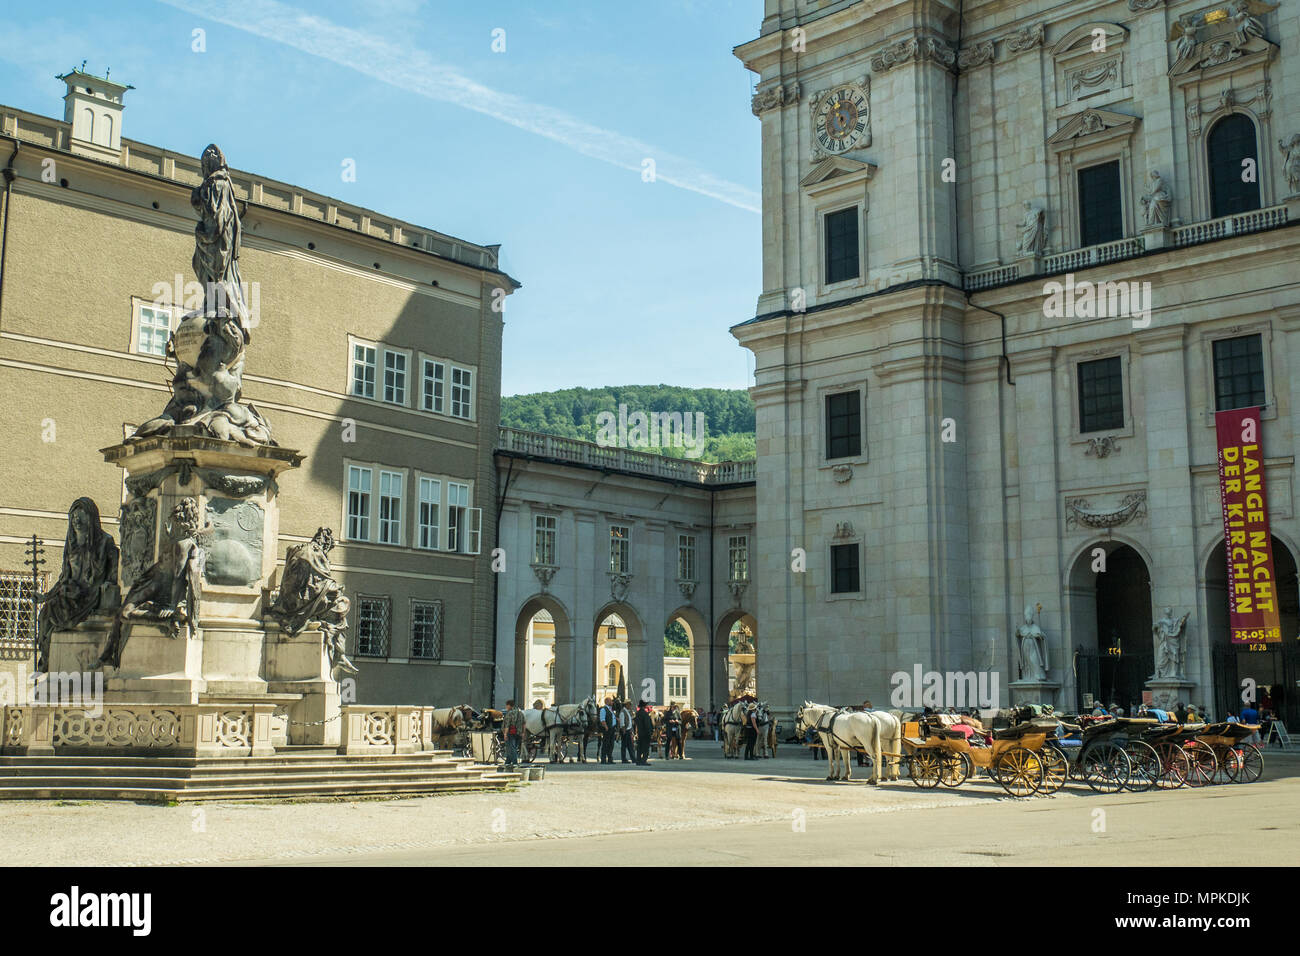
x: 540, y: 146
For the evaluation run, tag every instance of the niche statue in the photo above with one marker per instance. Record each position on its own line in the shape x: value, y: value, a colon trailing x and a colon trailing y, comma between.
x: 309, y: 594
x: 1033, y: 647
x: 87, y: 583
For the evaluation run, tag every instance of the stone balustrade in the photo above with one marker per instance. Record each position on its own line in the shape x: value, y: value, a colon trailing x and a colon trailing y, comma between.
x: 203, y: 730
x: 400, y: 729
x: 589, y: 454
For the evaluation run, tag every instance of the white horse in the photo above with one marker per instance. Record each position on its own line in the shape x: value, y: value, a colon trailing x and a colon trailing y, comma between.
x: 766, y: 724
x: 448, y: 722
x: 551, y: 723
x: 733, y: 725
x: 837, y: 738
x: 885, y: 737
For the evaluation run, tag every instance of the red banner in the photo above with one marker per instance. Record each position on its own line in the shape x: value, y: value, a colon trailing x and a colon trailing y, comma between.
x: 1253, y: 615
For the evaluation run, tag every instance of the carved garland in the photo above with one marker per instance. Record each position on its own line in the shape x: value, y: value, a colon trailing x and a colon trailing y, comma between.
x: 1079, y: 514
x: 913, y: 48
x: 772, y: 98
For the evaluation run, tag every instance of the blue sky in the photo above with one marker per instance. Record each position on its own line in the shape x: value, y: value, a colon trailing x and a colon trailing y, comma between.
x: 539, y: 148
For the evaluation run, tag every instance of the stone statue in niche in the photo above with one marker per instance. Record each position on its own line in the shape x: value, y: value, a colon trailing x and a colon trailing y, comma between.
x: 308, y: 594
x: 1157, y: 202
x: 87, y: 583
x: 1168, y: 633
x: 1033, y: 231
x: 209, y: 345
x: 1033, y: 646
x: 171, y: 589
x: 1291, y: 162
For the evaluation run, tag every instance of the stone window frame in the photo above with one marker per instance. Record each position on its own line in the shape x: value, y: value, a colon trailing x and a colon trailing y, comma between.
x: 1072, y: 359
x: 471, y: 533
x: 423, y: 359
x: 853, y: 540
x: 441, y: 619
x: 353, y: 342
x: 825, y: 288
x: 386, y: 601
x: 1083, y: 152
x: 553, y: 516
x: 417, y: 526
x: 1075, y: 48
x: 835, y: 184
x: 1264, y: 329
x: 138, y: 303
x: 823, y: 439
x: 694, y: 550
x: 401, y: 474
x: 372, y: 518
x: 472, y: 371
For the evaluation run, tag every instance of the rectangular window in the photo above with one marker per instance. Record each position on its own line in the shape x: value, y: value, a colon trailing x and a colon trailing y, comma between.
x: 842, y: 259
x: 844, y: 569
x: 1239, y: 372
x: 1100, y: 205
x: 372, y: 626
x: 430, y: 507
x: 844, y: 425
x: 363, y: 371
x: 17, y: 621
x: 464, y: 524
x: 738, y: 557
x: 426, y: 630
x: 544, y: 539
x: 358, y: 503
x: 434, y: 380
x: 390, y: 507
x: 394, y: 377
x: 1101, y: 395
x: 677, y: 685
x: 686, y: 557
x: 154, y: 328
x: 619, y: 539
x: 462, y: 391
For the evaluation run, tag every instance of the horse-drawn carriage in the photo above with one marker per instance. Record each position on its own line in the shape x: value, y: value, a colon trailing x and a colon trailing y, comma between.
x: 1197, y: 755
x: 938, y: 754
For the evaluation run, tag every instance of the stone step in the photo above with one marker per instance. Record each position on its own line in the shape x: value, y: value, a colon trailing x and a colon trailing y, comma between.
x: 330, y: 759
x: 55, y: 776
x: 158, y: 795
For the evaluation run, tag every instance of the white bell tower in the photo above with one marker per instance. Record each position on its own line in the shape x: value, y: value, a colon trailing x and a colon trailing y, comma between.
x: 93, y: 105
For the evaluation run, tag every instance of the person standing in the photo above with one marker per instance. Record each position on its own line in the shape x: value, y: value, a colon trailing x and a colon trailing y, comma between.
x: 607, y: 723
x: 751, y: 731
x: 672, y: 731
x: 645, y: 728
x: 625, y: 731
x: 513, y: 729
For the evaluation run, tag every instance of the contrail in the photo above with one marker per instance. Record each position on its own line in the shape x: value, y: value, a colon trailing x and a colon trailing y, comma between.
x: 415, y: 71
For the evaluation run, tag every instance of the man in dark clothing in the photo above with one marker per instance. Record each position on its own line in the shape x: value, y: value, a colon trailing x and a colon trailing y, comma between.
x: 751, y: 732
x: 626, y: 747
x: 645, y: 728
x: 608, y: 722
x: 1180, y: 712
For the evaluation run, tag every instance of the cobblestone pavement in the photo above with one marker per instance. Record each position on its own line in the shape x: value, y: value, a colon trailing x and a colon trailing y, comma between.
x: 702, y: 810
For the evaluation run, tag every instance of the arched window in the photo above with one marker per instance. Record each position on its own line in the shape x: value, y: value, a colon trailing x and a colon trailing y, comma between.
x: 1230, y: 143
x: 613, y: 674
x: 550, y: 673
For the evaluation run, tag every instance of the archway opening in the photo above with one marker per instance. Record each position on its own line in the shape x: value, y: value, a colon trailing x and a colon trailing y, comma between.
x: 1110, y: 618
x: 741, y: 644
x: 610, y: 659
x: 539, y: 665
x: 685, y: 672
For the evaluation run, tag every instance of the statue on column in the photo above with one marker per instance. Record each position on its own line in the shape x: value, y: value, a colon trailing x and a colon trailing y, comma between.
x: 171, y: 589
x: 1170, y: 645
x: 87, y: 583
x: 1033, y: 231
x: 1033, y: 647
x: 309, y: 594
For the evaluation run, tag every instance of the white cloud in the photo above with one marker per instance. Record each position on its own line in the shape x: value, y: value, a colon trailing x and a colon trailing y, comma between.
x: 411, y: 69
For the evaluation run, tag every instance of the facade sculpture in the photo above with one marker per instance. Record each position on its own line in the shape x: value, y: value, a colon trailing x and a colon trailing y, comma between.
x: 1033, y: 647
x: 1170, y: 652
x: 1033, y: 231
x: 309, y: 594
x: 1291, y: 162
x: 87, y: 582
x: 1156, y: 204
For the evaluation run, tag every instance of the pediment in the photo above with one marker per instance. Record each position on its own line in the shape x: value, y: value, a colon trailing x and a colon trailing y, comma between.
x: 1081, y: 39
x: 1092, y: 122
x: 837, y: 171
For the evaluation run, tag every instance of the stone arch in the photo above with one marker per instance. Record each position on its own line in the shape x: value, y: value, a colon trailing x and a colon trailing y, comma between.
x: 633, y: 632
x: 561, y: 651
x: 697, y: 632
x: 1108, y: 649
x: 722, y: 635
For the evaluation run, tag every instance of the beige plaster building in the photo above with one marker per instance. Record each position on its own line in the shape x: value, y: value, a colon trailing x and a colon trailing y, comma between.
x: 376, y: 352
x: 946, y: 443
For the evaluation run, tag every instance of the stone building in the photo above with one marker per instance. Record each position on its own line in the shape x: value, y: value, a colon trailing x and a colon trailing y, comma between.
x: 377, y: 353
x: 949, y: 436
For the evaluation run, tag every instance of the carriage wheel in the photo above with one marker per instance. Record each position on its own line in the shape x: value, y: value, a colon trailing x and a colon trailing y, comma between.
x: 1174, y: 766
x: 1146, y: 766
x: 1106, y: 767
x: 957, y: 768
x: 1020, y: 771
x: 926, y: 769
x: 1204, y: 766
x: 530, y: 750
x: 1249, y: 765
x: 1056, y: 769
x: 1229, y: 764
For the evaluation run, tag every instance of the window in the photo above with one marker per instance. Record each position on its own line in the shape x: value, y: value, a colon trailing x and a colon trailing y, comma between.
x: 1101, y: 395
x: 394, y: 377
x: 16, y: 622
x: 463, y: 522
x: 738, y: 557
x: 612, y: 674
x: 844, y: 569
x: 434, y: 380
x: 426, y: 630
x: 153, y: 329
x: 619, y: 538
x: 372, y: 626
x: 1229, y: 145
x: 842, y: 245
x: 390, y: 507
x: 677, y: 685
x: 544, y: 539
x: 686, y: 557
x: 430, y: 505
x: 844, y: 425
x: 358, y: 503
x: 550, y: 672
x: 1100, y: 211
x: 1239, y: 372
x: 363, y: 371
x: 461, y: 392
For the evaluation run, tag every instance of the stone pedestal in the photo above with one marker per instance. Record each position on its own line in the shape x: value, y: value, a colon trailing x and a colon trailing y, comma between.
x: 1034, y: 692
x: 76, y: 651
x: 1157, y: 237
x: 1166, y: 690
x: 299, y: 665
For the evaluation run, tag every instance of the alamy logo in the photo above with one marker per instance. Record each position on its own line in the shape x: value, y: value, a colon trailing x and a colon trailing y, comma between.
x: 65, y: 688
x: 943, y: 689
x: 74, y: 908
x: 651, y: 430
x: 1098, y: 300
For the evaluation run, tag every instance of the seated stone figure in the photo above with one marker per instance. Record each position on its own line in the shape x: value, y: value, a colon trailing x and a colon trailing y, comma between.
x: 309, y: 594
x: 170, y: 590
x: 87, y: 583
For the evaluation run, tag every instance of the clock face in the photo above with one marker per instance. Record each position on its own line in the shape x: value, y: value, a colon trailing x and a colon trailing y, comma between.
x: 841, y: 119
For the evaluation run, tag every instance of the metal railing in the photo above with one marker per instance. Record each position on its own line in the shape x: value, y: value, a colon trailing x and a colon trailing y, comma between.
x: 591, y: 455
x: 18, y: 612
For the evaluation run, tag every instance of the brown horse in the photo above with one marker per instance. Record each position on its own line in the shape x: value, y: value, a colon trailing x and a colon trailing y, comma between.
x: 690, y: 722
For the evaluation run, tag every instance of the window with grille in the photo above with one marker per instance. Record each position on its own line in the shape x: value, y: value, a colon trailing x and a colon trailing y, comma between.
x: 430, y: 506
x: 372, y: 626
x: 363, y: 371
x: 844, y: 425
x: 1231, y: 143
x: 686, y: 557
x: 17, y: 627
x: 842, y: 259
x: 359, y: 503
x: 1101, y: 395
x: 462, y: 391
x: 738, y: 557
x: 1239, y: 372
x: 390, y: 507
x: 619, y: 541
x: 153, y: 328
x: 394, y: 377
x: 434, y: 379
x: 426, y: 630
x: 844, y: 569
x: 544, y: 539
x: 1100, y: 205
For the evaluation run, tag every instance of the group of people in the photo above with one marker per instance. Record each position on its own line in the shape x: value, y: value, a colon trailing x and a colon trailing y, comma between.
x: 633, y: 729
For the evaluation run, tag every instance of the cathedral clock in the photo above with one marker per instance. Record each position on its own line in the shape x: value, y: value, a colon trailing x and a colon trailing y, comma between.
x: 841, y: 120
